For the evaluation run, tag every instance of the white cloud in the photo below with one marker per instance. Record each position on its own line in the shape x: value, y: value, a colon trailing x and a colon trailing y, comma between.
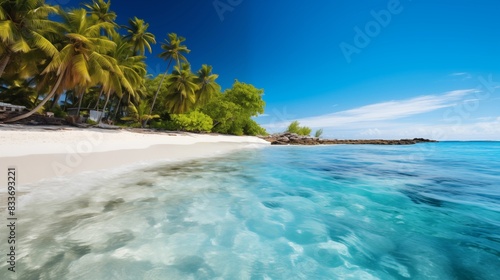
x: 385, y: 111
x: 465, y: 75
x: 390, y: 120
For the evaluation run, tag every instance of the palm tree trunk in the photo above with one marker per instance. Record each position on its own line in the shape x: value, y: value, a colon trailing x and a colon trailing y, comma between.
x: 118, y: 106
x: 158, y: 90
x: 34, y: 110
x: 37, y: 96
x: 112, y: 107
x: 55, y: 101
x: 98, y: 98
x: 104, y: 108
x: 81, y: 92
x: 65, y: 100
x: 3, y: 63
x: 80, y: 103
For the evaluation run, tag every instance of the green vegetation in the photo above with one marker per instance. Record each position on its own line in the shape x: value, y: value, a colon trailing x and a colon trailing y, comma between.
x: 138, y: 114
x: 173, y: 50
x: 58, y: 112
x: 232, y: 110
x: 194, y: 121
x: 91, y: 122
x: 53, y: 59
x: 318, y: 133
x: 295, y: 127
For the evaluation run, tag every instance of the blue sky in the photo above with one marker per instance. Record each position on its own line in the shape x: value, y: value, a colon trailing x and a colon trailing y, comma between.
x: 357, y: 69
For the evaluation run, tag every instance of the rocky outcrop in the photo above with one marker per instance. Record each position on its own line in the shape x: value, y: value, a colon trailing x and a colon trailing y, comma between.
x: 295, y: 139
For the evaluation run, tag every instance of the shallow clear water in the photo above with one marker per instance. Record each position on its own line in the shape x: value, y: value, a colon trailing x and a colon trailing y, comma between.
x: 428, y: 211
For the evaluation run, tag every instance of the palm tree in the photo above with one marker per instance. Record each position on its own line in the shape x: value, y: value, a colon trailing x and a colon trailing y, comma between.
x: 138, y: 36
x: 173, y: 50
x: 25, y: 65
x: 24, y: 26
x: 81, y: 62
x: 208, y: 87
x: 127, y: 75
x: 182, y: 87
x: 100, y: 10
x: 133, y: 68
x: 138, y: 114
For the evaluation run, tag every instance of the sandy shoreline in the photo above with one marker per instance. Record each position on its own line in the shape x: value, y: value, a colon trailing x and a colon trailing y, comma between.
x: 43, y: 152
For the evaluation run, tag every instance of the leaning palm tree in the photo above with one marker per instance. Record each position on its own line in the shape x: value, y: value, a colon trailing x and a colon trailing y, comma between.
x: 172, y: 50
x: 24, y: 26
x: 208, y: 88
x: 181, y: 93
x: 80, y: 63
x: 138, y: 36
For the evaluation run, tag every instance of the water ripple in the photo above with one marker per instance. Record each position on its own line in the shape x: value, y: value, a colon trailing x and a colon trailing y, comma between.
x: 336, y: 212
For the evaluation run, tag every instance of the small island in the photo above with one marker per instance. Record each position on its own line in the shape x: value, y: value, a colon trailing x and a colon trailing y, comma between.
x: 288, y: 138
x: 295, y: 134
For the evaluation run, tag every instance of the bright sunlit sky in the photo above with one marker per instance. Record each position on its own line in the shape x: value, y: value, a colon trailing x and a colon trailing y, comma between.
x: 357, y: 69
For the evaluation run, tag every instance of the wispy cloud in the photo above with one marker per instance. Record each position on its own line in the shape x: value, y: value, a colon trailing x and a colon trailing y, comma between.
x: 458, y: 74
x: 465, y: 75
x: 399, y: 119
x: 263, y: 115
x: 384, y: 111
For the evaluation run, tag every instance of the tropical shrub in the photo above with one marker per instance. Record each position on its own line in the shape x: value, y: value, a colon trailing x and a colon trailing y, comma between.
x: 318, y: 133
x: 58, y: 112
x: 138, y: 114
x: 306, y: 131
x: 253, y: 128
x: 295, y: 127
x: 194, y: 121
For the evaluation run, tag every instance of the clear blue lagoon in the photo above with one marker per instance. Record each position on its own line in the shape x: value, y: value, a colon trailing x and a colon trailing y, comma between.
x: 427, y: 211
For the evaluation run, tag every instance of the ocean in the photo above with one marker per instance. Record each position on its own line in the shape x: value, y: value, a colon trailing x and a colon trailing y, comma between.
x: 425, y: 211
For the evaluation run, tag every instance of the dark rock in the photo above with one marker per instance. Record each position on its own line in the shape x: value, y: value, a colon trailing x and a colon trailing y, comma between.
x: 284, y: 139
x: 294, y: 139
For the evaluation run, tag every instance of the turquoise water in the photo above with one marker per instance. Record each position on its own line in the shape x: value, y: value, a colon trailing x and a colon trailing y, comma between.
x: 428, y: 211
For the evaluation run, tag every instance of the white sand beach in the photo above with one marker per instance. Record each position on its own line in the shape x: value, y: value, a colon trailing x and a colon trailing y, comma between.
x: 47, y: 152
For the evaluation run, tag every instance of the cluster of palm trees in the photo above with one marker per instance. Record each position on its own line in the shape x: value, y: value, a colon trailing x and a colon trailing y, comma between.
x: 83, y: 52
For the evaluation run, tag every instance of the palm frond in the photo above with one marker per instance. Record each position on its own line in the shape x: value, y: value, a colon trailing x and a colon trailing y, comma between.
x: 80, y: 68
x: 42, y: 43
